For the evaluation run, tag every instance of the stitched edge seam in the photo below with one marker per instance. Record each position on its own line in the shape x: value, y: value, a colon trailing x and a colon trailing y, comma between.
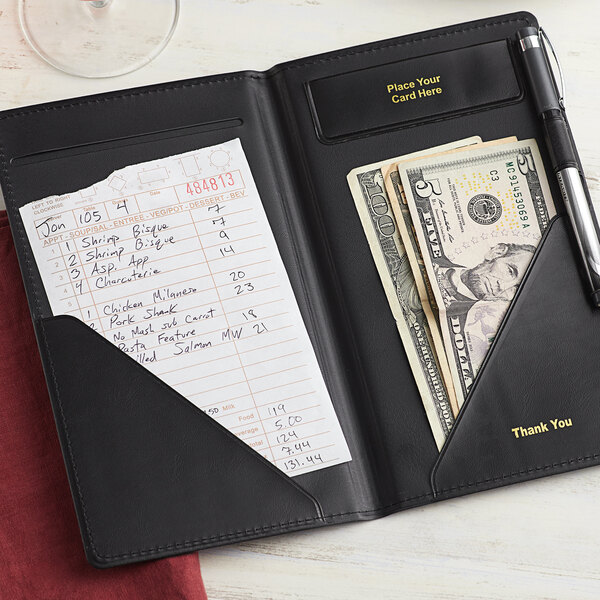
x: 555, y: 465
x: 67, y: 438
x: 291, y: 524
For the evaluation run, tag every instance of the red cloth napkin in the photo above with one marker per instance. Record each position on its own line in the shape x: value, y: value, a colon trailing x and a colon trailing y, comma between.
x: 41, y: 553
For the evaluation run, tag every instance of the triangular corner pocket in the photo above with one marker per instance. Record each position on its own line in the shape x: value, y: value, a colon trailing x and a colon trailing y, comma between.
x: 151, y: 474
x: 533, y: 409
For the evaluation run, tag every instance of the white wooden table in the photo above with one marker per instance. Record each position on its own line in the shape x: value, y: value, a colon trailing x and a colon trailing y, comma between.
x: 535, y: 540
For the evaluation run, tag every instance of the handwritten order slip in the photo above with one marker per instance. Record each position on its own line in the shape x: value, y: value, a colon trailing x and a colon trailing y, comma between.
x: 174, y: 262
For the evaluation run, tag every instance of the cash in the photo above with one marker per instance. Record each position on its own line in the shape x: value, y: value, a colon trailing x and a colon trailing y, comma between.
x: 408, y: 235
x: 431, y: 371
x: 452, y: 230
x: 478, y: 215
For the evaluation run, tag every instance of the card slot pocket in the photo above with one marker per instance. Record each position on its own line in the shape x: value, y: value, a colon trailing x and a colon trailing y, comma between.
x: 533, y: 409
x: 124, y: 141
x: 151, y: 474
x: 413, y: 91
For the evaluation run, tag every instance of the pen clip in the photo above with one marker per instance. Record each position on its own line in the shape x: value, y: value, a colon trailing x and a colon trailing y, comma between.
x: 547, y: 44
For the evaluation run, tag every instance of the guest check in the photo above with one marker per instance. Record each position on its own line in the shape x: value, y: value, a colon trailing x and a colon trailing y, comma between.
x: 174, y: 262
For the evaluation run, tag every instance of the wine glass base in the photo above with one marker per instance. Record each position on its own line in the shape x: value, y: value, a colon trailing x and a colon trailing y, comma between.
x: 103, y: 38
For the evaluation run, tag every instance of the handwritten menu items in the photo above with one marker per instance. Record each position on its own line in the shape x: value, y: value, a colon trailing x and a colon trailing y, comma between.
x: 174, y: 262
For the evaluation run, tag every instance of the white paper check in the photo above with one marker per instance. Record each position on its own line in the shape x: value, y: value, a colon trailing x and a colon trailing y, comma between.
x: 174, y: 262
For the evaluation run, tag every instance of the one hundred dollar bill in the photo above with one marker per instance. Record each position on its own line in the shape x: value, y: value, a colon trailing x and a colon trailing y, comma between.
x: 479, y: 215
x: 373, y: 206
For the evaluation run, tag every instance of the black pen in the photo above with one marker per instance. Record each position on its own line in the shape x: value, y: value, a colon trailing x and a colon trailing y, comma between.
x: 565, y: 162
